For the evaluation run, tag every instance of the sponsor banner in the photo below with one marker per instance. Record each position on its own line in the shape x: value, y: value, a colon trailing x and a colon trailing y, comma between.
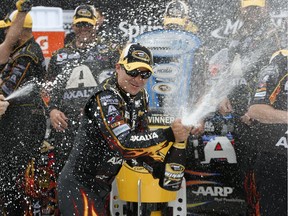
x: 173, y: 55
x: 213, y: 175
x: 160, y: 119
x: 210, y: 196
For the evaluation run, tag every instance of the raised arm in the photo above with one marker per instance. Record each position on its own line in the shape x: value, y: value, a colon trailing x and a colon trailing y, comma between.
x: 267, y: 114
x: 23, y: 7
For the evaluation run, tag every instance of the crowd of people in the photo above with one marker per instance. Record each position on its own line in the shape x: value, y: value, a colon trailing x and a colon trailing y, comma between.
x: 97, y: 110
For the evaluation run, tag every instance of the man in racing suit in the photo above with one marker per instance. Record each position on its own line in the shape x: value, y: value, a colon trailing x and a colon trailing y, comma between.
x: 74, y: 72
x: 114, y: 127
x: 269, y: 109
x: 23, y: 6
x: 248, y: 52
x: 22, y: 127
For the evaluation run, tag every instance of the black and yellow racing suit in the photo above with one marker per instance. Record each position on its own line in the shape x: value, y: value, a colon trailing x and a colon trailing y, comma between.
x: 270, y: 167
x: 22, y: 127
x: 114, y: 127
x: 74, y: 73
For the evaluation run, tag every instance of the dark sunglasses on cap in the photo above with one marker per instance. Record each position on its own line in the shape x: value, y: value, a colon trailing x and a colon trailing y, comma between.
x: 136, y: 72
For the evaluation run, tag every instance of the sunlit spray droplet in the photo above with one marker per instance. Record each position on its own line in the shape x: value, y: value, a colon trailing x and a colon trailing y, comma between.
x: 210, y: 100
x: 218, y: 88
x: 222, y: 84
x: 21, y: 92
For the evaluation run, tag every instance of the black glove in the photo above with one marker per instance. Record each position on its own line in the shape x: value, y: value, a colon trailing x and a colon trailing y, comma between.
x: 24, y: 5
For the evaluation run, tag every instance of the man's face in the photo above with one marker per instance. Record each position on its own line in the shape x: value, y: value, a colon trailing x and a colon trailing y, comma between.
x: 85, y: 32
x: 253, y: 18
x: 253, y: 14
x: 129, y: 84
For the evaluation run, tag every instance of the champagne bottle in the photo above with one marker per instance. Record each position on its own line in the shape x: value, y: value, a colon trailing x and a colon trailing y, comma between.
x: 174, y: 163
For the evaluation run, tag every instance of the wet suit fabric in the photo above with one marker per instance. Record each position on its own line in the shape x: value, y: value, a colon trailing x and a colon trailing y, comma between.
x: 22, y: 127
x: 270, y: 168
x: 74, y: 73
x: 114, y: 127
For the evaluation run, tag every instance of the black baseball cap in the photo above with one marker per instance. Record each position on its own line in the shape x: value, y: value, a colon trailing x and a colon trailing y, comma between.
x: 85, y: 13
x: 135, y: 56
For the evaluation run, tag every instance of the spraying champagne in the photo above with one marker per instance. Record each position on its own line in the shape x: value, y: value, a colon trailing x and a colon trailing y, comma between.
x: 25, y: 90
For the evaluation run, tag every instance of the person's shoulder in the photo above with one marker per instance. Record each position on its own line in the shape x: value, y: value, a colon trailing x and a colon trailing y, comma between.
x: 32, y: 46
x: 112, y: 43
x: 106, y: 93
x: 62, y: 54
x: 279, y: 61
x: 279, y: 54
x: 32, y: 50
x: 108, y: 86
x: 66, y: 49
x: 268, y: 31
x: 107, y: 47
x: 69, y: 37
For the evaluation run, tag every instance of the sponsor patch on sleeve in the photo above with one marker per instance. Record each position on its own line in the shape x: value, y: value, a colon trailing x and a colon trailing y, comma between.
x: 61, y: 56
x: 112, y: 111
x: 261, y: 91
x: 116, y: 124
x: 121, y: 129
x: 261, y: 94
x: 108, y: 100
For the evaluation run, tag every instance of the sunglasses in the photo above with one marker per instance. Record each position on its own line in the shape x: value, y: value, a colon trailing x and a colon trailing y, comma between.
x: 83, y: 25
x: 136, y: 72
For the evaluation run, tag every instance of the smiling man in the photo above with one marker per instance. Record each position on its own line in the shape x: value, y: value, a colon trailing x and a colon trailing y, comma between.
x: 74, y: 72
x: 114, y: 128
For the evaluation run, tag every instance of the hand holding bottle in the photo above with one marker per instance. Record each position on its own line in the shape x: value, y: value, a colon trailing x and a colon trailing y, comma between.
x: 180, y: 131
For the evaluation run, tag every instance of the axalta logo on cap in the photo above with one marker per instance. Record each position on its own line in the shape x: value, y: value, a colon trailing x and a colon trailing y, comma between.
x: 139, y: 54
x: 84, y: 12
